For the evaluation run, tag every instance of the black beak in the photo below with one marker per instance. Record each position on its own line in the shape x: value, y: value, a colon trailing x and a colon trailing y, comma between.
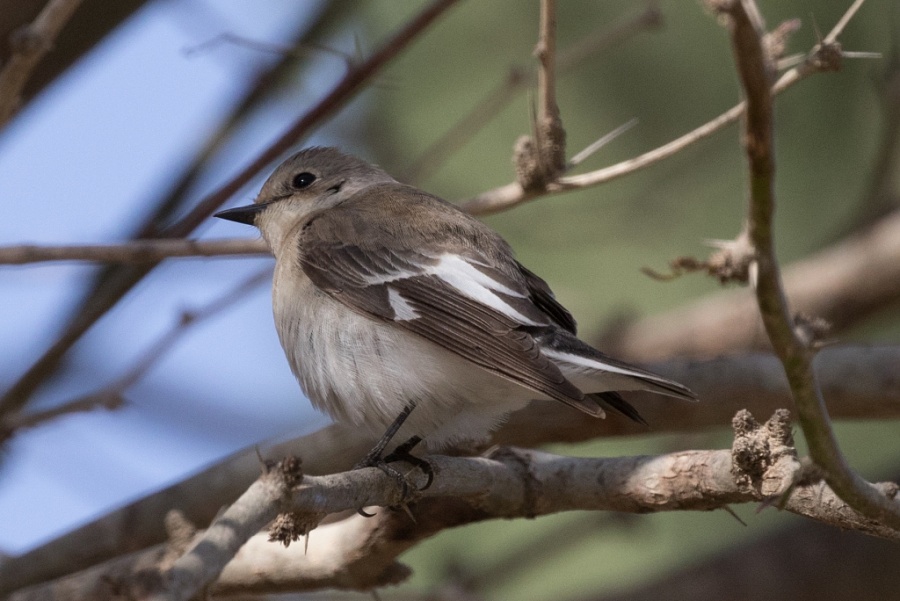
x: 242, y: 214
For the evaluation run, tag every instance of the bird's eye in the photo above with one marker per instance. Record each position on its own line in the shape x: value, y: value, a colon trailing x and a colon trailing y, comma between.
x: 303, y: 180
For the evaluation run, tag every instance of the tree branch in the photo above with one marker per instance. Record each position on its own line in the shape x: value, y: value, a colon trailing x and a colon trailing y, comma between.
x: 551, y: 137
x: 511, y: 483
x: 541, y: 158
x: 134, y: 251
x: 30, y: 44
x: 821, y: 58
x: 859, y: 382
x: 755, y: 69
x: 844, y: 284
x: 519, y: 78
x: 112, y: 396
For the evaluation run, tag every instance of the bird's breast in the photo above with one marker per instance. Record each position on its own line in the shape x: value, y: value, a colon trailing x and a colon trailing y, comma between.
x: 364, y: 371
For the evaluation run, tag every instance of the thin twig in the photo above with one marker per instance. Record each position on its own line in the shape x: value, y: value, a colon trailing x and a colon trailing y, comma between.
x: 18, y: 422
x: 599, y: 143
x: 838, y: 28
x: 268, y: 47
x: 846, y: 284
x: 519, y: 78
x: 881, y: 193
x: 539, y: 159
x: 650, y: 18
x: 796, y: 356
x: 351, y: 83
x: 134, y: 251
x: 167, y: 340
x: 30, y: 45
x: 551, y: 137
x: 112, y: 395
x: 821, y: 58
x: 470, y: 124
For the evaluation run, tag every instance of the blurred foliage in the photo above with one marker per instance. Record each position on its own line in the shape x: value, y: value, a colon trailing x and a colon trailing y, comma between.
x: 590, y: 245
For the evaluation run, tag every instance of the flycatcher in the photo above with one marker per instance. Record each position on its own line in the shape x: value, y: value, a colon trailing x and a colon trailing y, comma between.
x: 399, y: 312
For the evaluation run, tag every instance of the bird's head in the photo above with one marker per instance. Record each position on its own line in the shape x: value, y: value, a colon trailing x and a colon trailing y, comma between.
x: 313, y: 179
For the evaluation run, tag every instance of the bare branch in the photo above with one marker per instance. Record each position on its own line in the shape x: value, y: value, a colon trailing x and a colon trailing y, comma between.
x: 158, y: 349
x: 882, y: 194
x: 134, y: 251
x: 112, y: 396
x: 113, y: 283
x: 602, y: 141
x: 215, y: 547
x: 844, y: 284
x: 821, y: 58
x: 838, y: 28
x: 511, y: 483
x: 540, y: 159
x: 551, y: 137
x: 859, y: 382
x: 518, y: 79
x: 30, y: 44
x: 20, y: 421
x: 755, y: 69
x: 140, y: 524
x: 351, y: 83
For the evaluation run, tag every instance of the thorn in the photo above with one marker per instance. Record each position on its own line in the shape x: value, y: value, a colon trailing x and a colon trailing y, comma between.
x: 731, y: 512
x: 815, y: 25
x: 408, y: 512
x: 853, y: 54
x: 603, y: 141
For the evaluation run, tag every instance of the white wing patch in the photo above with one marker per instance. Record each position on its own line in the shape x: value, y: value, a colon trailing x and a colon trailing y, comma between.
x: 461, y: 276
x: 475, y: 284
x: 403, y: 311
x: 593, y: 364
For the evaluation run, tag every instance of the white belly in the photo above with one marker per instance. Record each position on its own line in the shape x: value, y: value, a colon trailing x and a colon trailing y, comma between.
x: 364, y: 372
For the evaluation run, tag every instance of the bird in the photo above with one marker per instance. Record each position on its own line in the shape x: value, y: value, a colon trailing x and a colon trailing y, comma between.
x: 403, y: 316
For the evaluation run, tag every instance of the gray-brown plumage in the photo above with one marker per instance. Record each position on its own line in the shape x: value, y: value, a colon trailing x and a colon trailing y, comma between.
x: 387, y: 297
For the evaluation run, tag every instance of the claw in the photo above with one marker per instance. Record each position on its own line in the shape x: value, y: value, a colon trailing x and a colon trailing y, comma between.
x: 401, y: 453
x: 382, y: 464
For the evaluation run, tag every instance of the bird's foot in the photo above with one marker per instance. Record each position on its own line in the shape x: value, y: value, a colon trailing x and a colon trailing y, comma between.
x: 401, y: 453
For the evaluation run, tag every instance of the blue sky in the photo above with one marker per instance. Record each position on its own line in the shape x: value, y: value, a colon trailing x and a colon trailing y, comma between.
x: 78, y: 166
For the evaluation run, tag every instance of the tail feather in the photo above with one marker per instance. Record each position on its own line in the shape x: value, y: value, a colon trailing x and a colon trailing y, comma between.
x: 594, y: 372
x: 661, y: 385
x: 614, y: 400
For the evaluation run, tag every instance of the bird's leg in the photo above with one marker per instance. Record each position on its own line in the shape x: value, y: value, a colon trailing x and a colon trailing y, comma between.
x: 374, y: 457
x: 402, y: 453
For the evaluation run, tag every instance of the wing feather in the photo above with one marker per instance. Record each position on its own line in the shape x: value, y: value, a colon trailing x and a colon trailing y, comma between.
x: 458, y: 301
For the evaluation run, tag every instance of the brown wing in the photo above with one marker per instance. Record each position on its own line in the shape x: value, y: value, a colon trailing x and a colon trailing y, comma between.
x: 457, y: 301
